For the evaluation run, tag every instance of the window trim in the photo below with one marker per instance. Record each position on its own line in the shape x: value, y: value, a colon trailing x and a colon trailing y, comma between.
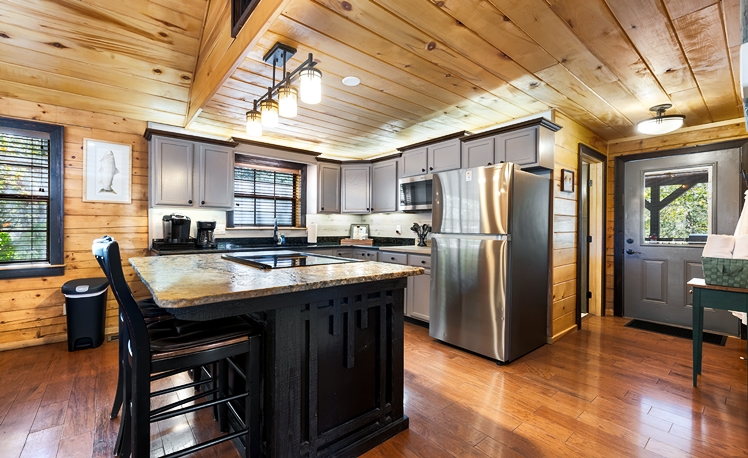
x: 56, y: 266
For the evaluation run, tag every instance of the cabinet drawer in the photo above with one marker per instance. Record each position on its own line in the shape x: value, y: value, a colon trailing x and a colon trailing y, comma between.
x: 393, y: 258
x: 419, y: 260
x: 367, y: 255
x: 344, y: 253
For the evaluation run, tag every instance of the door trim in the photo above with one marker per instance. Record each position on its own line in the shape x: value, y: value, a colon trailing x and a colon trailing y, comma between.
x: 618, y: 201
x: 603, y: 159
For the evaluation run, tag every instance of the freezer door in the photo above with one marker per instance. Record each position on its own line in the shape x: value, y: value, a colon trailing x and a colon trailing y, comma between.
x: 468, y: 293
x: 473, y: 201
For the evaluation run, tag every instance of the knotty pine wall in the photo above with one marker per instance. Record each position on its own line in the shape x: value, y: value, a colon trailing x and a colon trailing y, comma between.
x: 564, y: 245
x: 702, y: 135
x: 31, y: 308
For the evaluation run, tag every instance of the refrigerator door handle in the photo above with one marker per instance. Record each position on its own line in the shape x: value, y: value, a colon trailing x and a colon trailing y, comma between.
x: 507, y: 237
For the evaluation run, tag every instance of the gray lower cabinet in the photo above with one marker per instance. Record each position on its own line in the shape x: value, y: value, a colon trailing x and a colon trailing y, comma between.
x: 356, y: 188
x: 328, y: 188
x: 384, y: 186
x: 365, y: 254
x: 392, y: 257
x: 189, y: 174
x: 418, y: 294
x: 323, y: 251
x: 343, y: 252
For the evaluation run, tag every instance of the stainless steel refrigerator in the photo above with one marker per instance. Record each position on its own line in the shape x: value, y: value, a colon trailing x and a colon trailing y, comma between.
x: 490, y: 260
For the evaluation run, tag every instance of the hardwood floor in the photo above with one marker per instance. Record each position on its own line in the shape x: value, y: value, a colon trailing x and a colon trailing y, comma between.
x: 605, y: 391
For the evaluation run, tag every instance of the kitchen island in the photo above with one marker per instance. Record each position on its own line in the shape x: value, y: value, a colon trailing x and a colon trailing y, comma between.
x: 333, y: 343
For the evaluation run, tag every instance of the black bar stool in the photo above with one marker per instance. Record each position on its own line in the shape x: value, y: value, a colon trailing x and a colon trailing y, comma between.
x: 164, y: 348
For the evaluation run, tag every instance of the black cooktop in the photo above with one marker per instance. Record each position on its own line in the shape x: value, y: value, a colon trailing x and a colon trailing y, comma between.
x: 284, y: 259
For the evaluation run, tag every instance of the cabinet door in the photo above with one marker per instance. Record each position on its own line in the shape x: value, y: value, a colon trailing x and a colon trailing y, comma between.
x: 419, y: 294
x: 478, y: 153
x: 173, y: 163
x: 355, y: 188
x: 519, y: 147
x: 343, y: 252
x: 328, y: 188
x: 384, y: 187
x: 444, y: 156
x: 361, y: 253
x: 414, y: 162
x: 216, y: 177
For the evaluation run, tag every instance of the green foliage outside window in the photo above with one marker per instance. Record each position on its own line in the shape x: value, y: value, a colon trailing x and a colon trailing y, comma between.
x: 684, y: 216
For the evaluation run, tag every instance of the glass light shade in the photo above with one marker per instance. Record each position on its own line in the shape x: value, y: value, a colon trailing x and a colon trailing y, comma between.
x: 254, y: 124
x: 660, y: 124
x: 310, y: 81
x: 269, y: 112
x: 287, y: 97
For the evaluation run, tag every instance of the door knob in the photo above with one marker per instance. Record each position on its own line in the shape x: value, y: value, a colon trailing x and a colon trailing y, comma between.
x: 629, y: 240
x: 630, y: 251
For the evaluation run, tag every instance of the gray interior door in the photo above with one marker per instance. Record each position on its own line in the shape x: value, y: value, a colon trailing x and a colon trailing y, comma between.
x: 671, y: 204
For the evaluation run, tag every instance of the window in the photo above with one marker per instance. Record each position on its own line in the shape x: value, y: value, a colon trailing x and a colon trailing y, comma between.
x: 30, y: 199
x: 677, y: 205
x: 262, y: 194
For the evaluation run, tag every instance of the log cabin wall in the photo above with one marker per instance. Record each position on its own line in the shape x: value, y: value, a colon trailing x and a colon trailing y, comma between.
x: 701, y: 135
x: 564, y: 244
x: 31, y: 308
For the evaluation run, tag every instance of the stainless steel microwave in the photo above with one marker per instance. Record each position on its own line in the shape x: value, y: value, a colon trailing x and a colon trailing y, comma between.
x: 415, y: 193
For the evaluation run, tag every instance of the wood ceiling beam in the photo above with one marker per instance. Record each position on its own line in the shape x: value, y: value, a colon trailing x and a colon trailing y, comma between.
x: 226, y: 53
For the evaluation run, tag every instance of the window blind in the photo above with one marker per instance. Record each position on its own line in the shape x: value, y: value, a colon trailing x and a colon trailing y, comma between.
x: 24, y: 198
x: 262, y: 195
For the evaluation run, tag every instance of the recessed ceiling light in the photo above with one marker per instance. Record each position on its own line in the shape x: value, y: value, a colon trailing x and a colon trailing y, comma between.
x: 351, y: 81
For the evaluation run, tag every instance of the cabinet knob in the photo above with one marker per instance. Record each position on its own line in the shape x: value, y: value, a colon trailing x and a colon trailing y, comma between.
x: 488, y: 163
x: 423, y: 170
x: 322, y: 208
x: 392, y: 259
x: 367, y: 209
x: 423, y: 262
x: 237, y: 205
x: 189, y: 201
x: 202, y: 202
x: 501, y: 162
x: 431, y: 168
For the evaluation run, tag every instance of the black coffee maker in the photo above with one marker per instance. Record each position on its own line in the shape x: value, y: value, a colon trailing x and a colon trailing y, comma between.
x: 205, y: 234
x: 176, y: 228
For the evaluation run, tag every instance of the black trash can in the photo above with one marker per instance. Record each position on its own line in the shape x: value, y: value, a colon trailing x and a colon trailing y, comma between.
x: 85, y: 302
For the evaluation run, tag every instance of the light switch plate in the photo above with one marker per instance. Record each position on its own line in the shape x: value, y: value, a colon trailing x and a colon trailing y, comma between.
x: 220, y: 229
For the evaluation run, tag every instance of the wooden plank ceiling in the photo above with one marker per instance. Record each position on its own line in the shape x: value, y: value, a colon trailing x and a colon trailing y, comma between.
x: 428, y: 67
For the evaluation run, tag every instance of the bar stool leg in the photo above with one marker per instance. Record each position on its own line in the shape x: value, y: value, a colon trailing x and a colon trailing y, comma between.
x: 120, y: 377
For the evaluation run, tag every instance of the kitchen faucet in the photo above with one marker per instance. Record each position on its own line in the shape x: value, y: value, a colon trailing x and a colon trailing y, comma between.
x: 276, y: 239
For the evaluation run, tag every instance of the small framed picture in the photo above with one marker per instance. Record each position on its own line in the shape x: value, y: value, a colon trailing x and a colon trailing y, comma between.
x: 107, y: 172
x: 567, y: 180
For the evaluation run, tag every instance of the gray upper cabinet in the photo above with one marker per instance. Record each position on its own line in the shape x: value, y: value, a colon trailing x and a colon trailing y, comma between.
x: 478, y: 153
x: 414, y: 161
x: 356, y: 188
x: 520, y: 147
x: 216, y: 186
x: 384, y: 186
x: 444, y: 156
x: 188, y: 174
x: 328, y: 188
x: 171, y: 172
x: 529, y: 144
x: 433, y: 156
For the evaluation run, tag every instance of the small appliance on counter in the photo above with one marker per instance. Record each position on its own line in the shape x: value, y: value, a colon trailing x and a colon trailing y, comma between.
x: 205, y: 237
x: 176, y: 234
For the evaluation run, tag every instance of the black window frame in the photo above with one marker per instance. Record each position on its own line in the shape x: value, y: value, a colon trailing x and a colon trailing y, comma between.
x: 243, y: 160
x: 55, y: 266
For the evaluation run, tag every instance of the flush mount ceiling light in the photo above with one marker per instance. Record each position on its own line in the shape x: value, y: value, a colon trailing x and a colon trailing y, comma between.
x: 661, y: 123
x: 310, y: 82
x: 351, y: 81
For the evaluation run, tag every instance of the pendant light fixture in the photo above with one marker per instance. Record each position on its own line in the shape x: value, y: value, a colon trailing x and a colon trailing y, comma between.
x: 310, y: 82
x: 254, y: 122
x: 287, y: 105
x: 661, y: 123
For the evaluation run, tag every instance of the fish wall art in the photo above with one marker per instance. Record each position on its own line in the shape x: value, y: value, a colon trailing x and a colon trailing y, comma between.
x: 107, y: 170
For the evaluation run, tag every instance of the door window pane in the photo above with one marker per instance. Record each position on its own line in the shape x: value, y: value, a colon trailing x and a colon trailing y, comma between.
x: 677, y: 205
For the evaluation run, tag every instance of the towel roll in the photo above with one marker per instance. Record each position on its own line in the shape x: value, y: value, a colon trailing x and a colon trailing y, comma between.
x: 719, y: 246
x: 311, y: 233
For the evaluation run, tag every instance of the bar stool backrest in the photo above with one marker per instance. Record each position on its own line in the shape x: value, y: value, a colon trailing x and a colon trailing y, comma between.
x: 106, y: 251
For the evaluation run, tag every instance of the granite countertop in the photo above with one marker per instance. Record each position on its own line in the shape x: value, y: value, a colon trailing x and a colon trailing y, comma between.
x: 196, y: 279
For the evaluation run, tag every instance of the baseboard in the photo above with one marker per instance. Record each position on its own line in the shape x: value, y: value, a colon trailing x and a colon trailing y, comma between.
x: 561, y: 335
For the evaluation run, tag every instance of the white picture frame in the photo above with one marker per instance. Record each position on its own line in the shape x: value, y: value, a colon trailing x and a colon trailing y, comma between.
x: 107, y: 172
